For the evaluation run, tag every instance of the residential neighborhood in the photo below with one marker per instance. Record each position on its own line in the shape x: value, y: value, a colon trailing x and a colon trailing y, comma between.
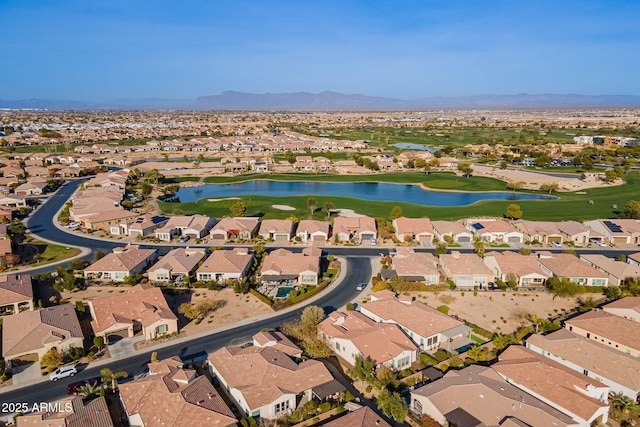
x: 312, y: 315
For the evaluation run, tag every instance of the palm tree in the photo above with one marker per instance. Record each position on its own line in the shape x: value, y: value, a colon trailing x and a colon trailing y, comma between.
x: 624, y: 404
x: 477, y: 353
x: 110, y: 376
x: 88, y: 391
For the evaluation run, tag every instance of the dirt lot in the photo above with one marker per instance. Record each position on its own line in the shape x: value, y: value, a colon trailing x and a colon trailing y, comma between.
x: 235, y: 308
x: 500, y: 311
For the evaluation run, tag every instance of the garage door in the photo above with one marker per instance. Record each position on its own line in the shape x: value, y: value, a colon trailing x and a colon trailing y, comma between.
x: 619, y: 240
x: 513, y: 240
x: 281, y: 237
x: 555, y: 239
x: 217, y: 236
x: 464, y: 239
x: 366, y: 237
x: 116, y: 336
x: 318, y: 238
x: 425, y: 238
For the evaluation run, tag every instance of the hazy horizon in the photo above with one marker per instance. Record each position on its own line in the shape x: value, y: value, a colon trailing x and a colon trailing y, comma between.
x: 109, y: 50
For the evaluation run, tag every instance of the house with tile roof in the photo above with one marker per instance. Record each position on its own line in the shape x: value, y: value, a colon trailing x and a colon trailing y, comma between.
x: 617, y: 231
x: 634, y: 258
x: 465, y: 270
x: 617, y: 271
x: 173, y: 395
x: 31, y: 188
x: 35, y: 332
x: 223, y: 265
x: 141, y: 226
x: 584, y: 399
x: 16, y: 293
x: 575, y: 232
x: 314, y: 230
x: 362, y: 417
x: 539, y: 231
x: 194, y: 226
x: 426, y: 326
x: 279, y: 341
x: 142, y: 309
x: 71, y: 412
x: 494, y: 230
x: 524, y: 270
x: 608, y: 329
x: 479, y: 396
x: 619, y: 371
x: 570, y: 267
x: 413, y: 266
x: 120, y: 263
x: 352, y: 334
x: 451, y: 229
x: 413, y: 229
x: 244, y: 228
x: 355, y: 228
x: 282, y: 265
x: 276, y: 229
x: 270, y: 384
x: 176, y: 265
x: 628, y: 307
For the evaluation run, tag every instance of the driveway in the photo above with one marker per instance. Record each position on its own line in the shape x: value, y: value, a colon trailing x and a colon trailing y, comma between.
x: 26, y: 374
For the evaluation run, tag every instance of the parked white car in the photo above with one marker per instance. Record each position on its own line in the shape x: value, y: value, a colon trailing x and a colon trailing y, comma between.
x: 63, y: 372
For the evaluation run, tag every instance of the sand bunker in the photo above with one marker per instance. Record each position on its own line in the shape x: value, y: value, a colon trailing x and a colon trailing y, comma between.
x: 283, y: 207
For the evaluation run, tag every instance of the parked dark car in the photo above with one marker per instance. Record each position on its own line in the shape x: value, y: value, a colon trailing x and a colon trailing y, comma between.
x: 74, y: 386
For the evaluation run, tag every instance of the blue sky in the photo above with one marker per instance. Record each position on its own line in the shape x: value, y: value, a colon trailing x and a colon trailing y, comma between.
x: 95, y: 50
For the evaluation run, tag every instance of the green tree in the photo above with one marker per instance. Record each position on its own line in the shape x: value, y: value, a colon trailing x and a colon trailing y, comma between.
x: 363, y: 369
x: 610, y: 175
x: 466, y: 169
x: 477, y: 353
x: 108, y: 376
x: 515, y: 185
x: 550, y: 187
x: 312, y: 315
x: 396, y: 212
x: 98, y: 342
x: 146, y: 189
x: 238, y: 208
x: 312, y: 204
x: 631, y: 210
x: 543, y: 160
x: 291, y: 158
x: 501, y: 341
x: 89, y: 391
x: 328, y: 207
x: 563, y: 287
x: 51, y: 358
x: 392, y: 405
x: 513, y: 211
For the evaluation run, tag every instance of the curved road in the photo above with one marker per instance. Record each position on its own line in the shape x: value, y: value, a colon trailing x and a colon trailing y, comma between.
x: 358, y: 270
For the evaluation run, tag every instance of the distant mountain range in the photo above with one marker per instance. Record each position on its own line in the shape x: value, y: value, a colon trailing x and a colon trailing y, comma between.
x: 231, y: 100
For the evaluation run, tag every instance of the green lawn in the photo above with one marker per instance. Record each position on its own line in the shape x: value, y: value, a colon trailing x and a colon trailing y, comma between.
x: 49, y: 253
x: 567, y: 206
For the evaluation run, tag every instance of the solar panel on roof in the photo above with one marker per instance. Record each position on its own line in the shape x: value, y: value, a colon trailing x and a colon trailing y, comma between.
x: 477, y: 226
x: 613, y: 227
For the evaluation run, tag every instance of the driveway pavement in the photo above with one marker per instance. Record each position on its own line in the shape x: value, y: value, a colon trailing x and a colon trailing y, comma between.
x: 124, y: 347
x: 26, y: 374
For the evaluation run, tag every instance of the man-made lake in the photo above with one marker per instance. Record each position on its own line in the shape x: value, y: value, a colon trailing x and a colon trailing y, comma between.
x: 409, y: 146
x: 361, y: 190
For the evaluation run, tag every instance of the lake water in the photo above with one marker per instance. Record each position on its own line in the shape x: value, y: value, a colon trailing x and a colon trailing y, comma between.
x: 409, y: 146
x: 361, y: 190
